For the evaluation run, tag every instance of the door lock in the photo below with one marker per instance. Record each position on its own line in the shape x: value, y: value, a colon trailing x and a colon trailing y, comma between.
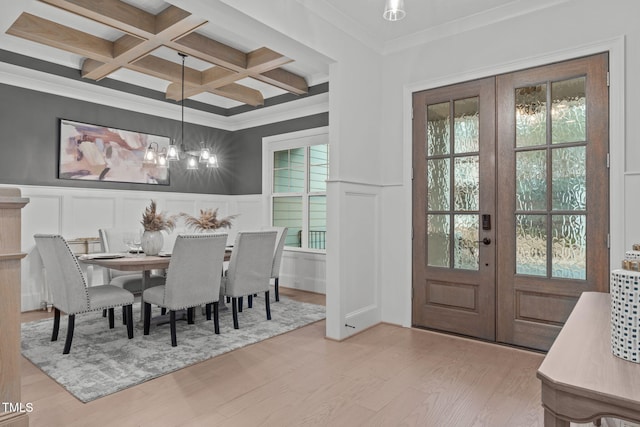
x: 485, y: 241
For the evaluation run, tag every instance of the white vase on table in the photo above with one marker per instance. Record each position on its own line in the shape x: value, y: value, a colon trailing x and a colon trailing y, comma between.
x: 152, y: 242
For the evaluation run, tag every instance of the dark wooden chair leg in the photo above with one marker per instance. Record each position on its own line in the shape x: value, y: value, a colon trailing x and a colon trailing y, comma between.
x: 163, y: 311
x: 216, y: 322
x: 190, y: 315
x: 277, y: 290
x: 234, y: 309
x: 128, y: 314
x: 208, y: 311
x: 172, y: 324
x: 124, y: 315
x: 228, y: 300
x: 67, y: 342
x: 250, y: 301
x: 147, y: 317
x: 111, y: 318
x: 267, y: 304
x: 104, y: 312
x: 56, y: 324
x: 240, y: 299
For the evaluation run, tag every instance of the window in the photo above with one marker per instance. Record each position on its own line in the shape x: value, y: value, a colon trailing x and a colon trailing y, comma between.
x: 298, y: 171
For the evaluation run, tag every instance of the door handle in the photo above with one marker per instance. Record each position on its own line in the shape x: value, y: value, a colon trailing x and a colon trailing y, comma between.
x: 485, y: 241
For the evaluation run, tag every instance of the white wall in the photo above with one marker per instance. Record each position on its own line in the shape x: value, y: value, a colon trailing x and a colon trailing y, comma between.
x: 353, y: 192
x: 571, y: 29
x: 80, y: 212
x: 371, y: 132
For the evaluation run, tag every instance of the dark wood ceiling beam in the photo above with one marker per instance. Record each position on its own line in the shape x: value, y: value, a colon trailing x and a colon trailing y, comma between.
x: 144, y: 33
x: 265, y: 59
x: 285, y: 80
x: 234, y: 91
x: 212, y: 51
x: 52, y: 34
x: 240, y: 93
x: 258, y: 61
x: 216, y: 77
x: 170, y: 17
x: 167, y: 70
x: 174, y: 91
x: 128, y: 49
x: 114, y: 13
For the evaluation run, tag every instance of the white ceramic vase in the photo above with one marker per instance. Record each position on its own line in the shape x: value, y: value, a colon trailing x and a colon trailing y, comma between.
x: 152, y: 242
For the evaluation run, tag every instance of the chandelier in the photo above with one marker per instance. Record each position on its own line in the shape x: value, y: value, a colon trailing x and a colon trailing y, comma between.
x: 193, y: 158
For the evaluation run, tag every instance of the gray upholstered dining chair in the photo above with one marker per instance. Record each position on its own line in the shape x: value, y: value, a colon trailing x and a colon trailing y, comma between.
x: 249, y: 269
x: 111, y: 240
x: 281, y: 237
x: 69, y: 289
x: 193, y: 279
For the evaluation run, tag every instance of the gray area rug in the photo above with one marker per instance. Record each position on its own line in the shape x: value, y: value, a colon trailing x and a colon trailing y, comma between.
x: 103, y: 361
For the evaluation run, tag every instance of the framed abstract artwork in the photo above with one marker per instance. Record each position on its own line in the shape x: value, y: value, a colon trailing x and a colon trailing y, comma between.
x: 97, y: 153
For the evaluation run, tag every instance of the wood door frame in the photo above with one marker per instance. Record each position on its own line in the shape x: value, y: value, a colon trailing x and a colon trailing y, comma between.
x: 616, y: 48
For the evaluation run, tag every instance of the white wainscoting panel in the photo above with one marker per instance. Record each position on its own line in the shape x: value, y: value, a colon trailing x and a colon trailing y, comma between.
x: 353, y: 267
x: 303, y: 270
x: 251, y: 214
x: 86, y: 212
x: 130, y: 210
x: 80, y: 212
x: 43, y: 214
x: 360, y: 292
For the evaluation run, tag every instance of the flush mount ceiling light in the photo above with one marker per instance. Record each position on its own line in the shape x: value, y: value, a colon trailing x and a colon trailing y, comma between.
x: 394, y: 10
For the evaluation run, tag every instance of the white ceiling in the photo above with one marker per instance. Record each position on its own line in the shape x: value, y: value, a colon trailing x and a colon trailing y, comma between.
x: 426, y: 20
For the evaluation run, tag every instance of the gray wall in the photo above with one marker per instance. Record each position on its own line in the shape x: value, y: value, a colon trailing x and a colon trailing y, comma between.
x: 29, y: 144
x: 247, y: 150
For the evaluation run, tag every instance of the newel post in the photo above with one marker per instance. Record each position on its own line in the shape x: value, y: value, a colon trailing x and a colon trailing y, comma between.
x: 13, y: 412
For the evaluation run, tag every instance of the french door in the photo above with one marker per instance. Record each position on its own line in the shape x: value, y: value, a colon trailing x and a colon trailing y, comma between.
x: 510, y: 199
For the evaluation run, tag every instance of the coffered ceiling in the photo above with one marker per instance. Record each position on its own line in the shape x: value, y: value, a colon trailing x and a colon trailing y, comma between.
x: 234, y: 62
x: 135, y: 34
x: 227, y: 64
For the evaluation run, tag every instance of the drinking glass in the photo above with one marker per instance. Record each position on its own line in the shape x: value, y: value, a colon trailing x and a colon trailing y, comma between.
x: 133, y: 242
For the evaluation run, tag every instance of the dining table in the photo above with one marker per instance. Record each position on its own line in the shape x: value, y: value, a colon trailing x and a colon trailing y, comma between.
x: 137, y: 262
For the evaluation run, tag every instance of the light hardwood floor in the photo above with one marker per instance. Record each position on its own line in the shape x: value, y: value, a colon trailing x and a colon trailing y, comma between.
x: 384, y: 376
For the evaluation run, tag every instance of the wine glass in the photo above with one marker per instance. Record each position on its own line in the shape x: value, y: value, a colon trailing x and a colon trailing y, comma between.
x: 137, y: 242
x: 132, y: 241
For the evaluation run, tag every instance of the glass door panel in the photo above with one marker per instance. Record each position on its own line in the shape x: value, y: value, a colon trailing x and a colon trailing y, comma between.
x: 531, y: 115
x: 568, y: 111
x: 460, y: 238
x: 531, y: 245
x: 551, y: 165
x: 569, y: 257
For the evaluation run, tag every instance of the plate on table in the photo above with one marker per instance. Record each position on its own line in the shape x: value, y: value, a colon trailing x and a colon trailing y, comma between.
x: 103, y: 256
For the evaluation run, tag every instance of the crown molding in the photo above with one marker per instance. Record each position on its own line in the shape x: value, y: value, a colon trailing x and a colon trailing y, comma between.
x: 468, y: 23
x: 76, y: 89
x: 344, y: 23
x: 370, y: 39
